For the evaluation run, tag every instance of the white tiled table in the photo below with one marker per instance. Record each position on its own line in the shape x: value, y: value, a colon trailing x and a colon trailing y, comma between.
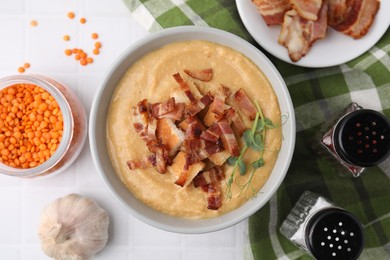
x: 21, y: 201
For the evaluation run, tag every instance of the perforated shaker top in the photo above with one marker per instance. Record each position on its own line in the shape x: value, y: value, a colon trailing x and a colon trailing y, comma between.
x: 334, y: 234
x: 363, y: 138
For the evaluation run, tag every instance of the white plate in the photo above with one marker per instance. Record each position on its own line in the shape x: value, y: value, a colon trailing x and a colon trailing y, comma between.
x: 336, y: 48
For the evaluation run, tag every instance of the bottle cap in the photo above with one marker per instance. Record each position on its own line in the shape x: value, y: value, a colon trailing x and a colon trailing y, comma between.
x: 362, y: 138
x: 334, y: 234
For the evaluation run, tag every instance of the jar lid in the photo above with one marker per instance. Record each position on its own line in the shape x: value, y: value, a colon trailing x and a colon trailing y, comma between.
x: 363, y: 138
x: 334, y: 234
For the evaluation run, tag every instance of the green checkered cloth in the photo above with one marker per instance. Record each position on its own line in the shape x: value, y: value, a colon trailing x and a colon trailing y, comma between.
x: 316, y: 94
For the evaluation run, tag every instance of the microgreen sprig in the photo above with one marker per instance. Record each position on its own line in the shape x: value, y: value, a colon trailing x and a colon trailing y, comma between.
x: 254, y: 138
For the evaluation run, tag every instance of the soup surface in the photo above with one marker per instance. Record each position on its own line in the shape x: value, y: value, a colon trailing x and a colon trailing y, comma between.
x: 151, y: 78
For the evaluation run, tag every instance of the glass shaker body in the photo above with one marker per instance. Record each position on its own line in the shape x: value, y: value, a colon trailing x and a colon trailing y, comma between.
x: 322, y: 229
x: 360, y: 138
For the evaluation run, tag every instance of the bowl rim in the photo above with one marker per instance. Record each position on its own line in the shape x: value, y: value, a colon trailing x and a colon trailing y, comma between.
x: 182, y: 33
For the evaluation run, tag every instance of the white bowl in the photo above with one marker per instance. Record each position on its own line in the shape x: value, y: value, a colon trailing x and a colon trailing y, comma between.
x: 98, y: 118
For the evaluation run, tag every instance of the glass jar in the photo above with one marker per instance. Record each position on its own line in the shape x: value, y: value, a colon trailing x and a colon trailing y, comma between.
x: 74, y: 127
x: 359, y: 138
x: 323, y: 230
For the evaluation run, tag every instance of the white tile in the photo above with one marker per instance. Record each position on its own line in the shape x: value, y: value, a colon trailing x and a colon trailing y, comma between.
x: 58, y: 8
x: 46, y: 45
x: 12, y: 44
x: 210, y: 253
x: 7, y: 252
x: 33, y: 252
x: 113, y: 36
x: 157, y: 254
x: 112, y: 252
x: 145, y: 235
x: 12, y: 7
x: 223, y: 238
x: 9, y: 181
x: 10, y: 202
x: 99, y: 7
x: 65, y: 178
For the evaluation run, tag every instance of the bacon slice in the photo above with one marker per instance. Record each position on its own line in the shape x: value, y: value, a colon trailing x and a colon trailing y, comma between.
x: 212, y: 134
x: 176, y: 114
x: 193, y: 109
x: 184, y: 86
x: 162, y: 108
x: 272, y: 11
x: 214, y: 198
x: 147, y: 162
x: 228, y: 139
x: 233, y: 117
x: 358, y: 17
x: 211, y: 176
x: 307, y: 9
x: 194, y: 128
x: 141, y: 120
x: 298, y: 34
x: 245, y: 104
x: 162, y: 156
x: 203, y: 75
x: 338, y: 11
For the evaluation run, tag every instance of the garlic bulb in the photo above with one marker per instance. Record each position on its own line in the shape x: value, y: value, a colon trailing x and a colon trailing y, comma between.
x: 73, y: 227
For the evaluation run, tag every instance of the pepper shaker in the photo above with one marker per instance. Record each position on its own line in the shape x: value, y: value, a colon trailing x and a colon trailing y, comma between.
x: 323, y: 230
x: 360, y: 138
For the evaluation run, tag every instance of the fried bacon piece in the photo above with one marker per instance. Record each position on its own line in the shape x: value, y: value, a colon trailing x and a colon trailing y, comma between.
x: 211, y: 176
x: 162, y: 155
x: 212, y: 134
x: 356, y: 18
x: 161, y: 108
x: 210, y: 182
x: 184, y: 124
x: 298, y: 34
x: 228, y: 139
x: 307, y: 9
x: 233, y: 117
x: 147, y: 162
x: 198, y: 149
x: 140, y: 119
x: 217, y: 107
x: 203, y: 75
x: 195, y: 105
x: 245, y: 104
x: 272, y: 11
x: 194, y: 128
x: 338, y: 11
x: 214, y: 197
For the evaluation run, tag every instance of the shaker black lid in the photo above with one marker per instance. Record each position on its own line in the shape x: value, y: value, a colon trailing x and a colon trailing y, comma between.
x: 363, y: 138
x: 333, y: 234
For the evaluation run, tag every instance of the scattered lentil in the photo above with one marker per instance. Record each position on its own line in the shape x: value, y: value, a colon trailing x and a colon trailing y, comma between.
x: 71, y: 15
x: 66, y: 37
x: 21, y: 70
x: 83, y: 20
x: 95, y: 36
x: 34, y: 23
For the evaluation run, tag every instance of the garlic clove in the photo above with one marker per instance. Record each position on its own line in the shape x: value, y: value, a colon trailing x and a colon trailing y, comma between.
x: 73, y: 227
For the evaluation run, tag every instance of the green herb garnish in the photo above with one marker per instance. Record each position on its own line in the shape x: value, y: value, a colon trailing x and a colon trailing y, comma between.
x: 254, y: 138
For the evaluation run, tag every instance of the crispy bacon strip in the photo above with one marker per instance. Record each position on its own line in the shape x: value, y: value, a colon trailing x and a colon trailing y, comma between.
x: 193, y: 109
x: 218, y: 105
x: 272, y: 11
x: 298, y: 34
x: 211, y: 176
x: 176, y: 114
x: 198, y: 149
x: 203, y: 75
x: 161, y: 108
x: 245, y: 104
x: 228, y: 139
x: 184, y: 124
x: 141, y: 121
x: 233, y: 117
x: 147, y: 162
x: 184, y: 86
x: 307, y: 9
x: 214, y: 198
x: 358, y: 17
x: 212, y: 134
x: 194, y: 129
x: 162, y: 155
